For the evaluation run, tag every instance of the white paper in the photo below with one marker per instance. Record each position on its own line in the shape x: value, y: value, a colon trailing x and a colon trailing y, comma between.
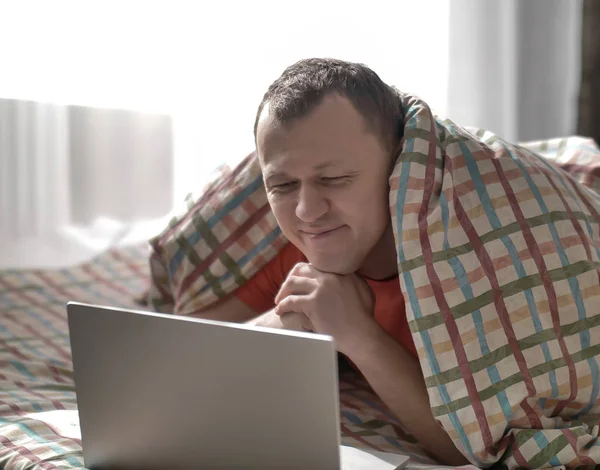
x: 64, y: 423
x: 366, y: 459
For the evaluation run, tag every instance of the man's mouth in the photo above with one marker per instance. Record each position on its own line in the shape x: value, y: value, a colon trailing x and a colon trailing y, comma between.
x: 321, y: 233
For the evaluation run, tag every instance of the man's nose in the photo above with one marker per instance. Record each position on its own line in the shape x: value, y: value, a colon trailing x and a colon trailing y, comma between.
x: 311, y: 204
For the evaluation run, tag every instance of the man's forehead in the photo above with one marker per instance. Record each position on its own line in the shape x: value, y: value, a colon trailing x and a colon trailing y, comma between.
x: 333, y: 134
x: 273, y: 169
x: 334, y: 112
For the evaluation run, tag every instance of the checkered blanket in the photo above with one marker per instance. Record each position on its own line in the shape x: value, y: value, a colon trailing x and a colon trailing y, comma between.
x: 35, y: 359
x: 37, y: 393
x: 498, y: 255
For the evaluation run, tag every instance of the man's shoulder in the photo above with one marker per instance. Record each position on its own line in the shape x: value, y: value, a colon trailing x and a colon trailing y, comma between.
x: 260, y: 290
x: 290, y: 255
x: 280, y: 266
x: 276, y: 270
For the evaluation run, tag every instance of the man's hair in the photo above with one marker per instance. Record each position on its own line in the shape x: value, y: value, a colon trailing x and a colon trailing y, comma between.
x: 303, y: 85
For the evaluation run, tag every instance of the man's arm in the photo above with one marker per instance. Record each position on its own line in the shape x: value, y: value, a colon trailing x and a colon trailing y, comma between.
x: 231, y: 310
x: 342, y: 306
x: 234, y: 310
x: 396, y: 377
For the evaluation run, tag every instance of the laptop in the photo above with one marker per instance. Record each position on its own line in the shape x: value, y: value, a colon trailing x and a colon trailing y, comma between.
x: 159, y: 391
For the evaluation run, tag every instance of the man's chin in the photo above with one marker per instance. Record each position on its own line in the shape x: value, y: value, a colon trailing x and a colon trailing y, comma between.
x: 333, y: 267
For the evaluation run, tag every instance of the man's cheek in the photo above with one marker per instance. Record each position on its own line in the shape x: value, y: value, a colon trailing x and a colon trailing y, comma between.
x: 284, y: 214
x: 277, y: 212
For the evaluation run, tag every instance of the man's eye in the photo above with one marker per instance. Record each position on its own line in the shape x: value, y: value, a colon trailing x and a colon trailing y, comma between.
x: 334, y: 179
x: 283, y: 186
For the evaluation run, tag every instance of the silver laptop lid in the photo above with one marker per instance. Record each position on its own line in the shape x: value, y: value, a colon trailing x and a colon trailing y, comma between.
x: 160, y: 391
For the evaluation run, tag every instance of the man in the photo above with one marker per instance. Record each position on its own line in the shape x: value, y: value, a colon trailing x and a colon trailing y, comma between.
x: 327, y: 133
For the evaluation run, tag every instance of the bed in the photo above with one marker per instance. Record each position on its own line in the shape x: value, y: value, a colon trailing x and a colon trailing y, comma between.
x: 38, y: 421
x: 36, y: 379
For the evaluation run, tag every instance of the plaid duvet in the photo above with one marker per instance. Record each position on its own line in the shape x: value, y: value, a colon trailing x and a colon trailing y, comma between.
x: 35, y: 360
x: 36, y: 370
x: 498, y: 255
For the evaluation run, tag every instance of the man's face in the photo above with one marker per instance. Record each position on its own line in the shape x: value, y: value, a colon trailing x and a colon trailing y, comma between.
x: 326, y: 177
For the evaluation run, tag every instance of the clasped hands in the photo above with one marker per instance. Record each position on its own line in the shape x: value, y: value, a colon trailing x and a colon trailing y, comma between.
x: 337, y: 305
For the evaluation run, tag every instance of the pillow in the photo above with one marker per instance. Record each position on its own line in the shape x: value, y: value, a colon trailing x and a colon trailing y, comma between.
x: 576, y: 155
x: 221, y: 238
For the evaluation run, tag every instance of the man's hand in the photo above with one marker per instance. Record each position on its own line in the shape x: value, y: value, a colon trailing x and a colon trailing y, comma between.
x: 291, y: 321
x: 342, y: 306
x: 337, y: 305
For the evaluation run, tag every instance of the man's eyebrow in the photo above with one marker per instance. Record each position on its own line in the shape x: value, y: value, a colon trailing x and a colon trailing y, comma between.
x: 275, y: 175
x: 322, y: 166
x: 278, y: 175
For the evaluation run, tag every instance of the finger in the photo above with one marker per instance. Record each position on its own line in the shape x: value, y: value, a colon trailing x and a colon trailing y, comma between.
x: 292, y: 304
x: 303, y: 269
x: 296, y: 321
x: 295, y: 285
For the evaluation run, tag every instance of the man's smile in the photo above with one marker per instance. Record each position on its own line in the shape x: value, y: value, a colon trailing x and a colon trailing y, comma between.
x: 322, y: 234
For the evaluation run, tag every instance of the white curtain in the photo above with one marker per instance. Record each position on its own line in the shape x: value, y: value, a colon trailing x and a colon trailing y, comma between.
x: 73, y: 179
x: 207, y: 64
x: 515, y: 66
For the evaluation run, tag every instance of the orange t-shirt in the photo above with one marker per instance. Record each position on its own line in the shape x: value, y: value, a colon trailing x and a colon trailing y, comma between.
x: 259, y: 292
